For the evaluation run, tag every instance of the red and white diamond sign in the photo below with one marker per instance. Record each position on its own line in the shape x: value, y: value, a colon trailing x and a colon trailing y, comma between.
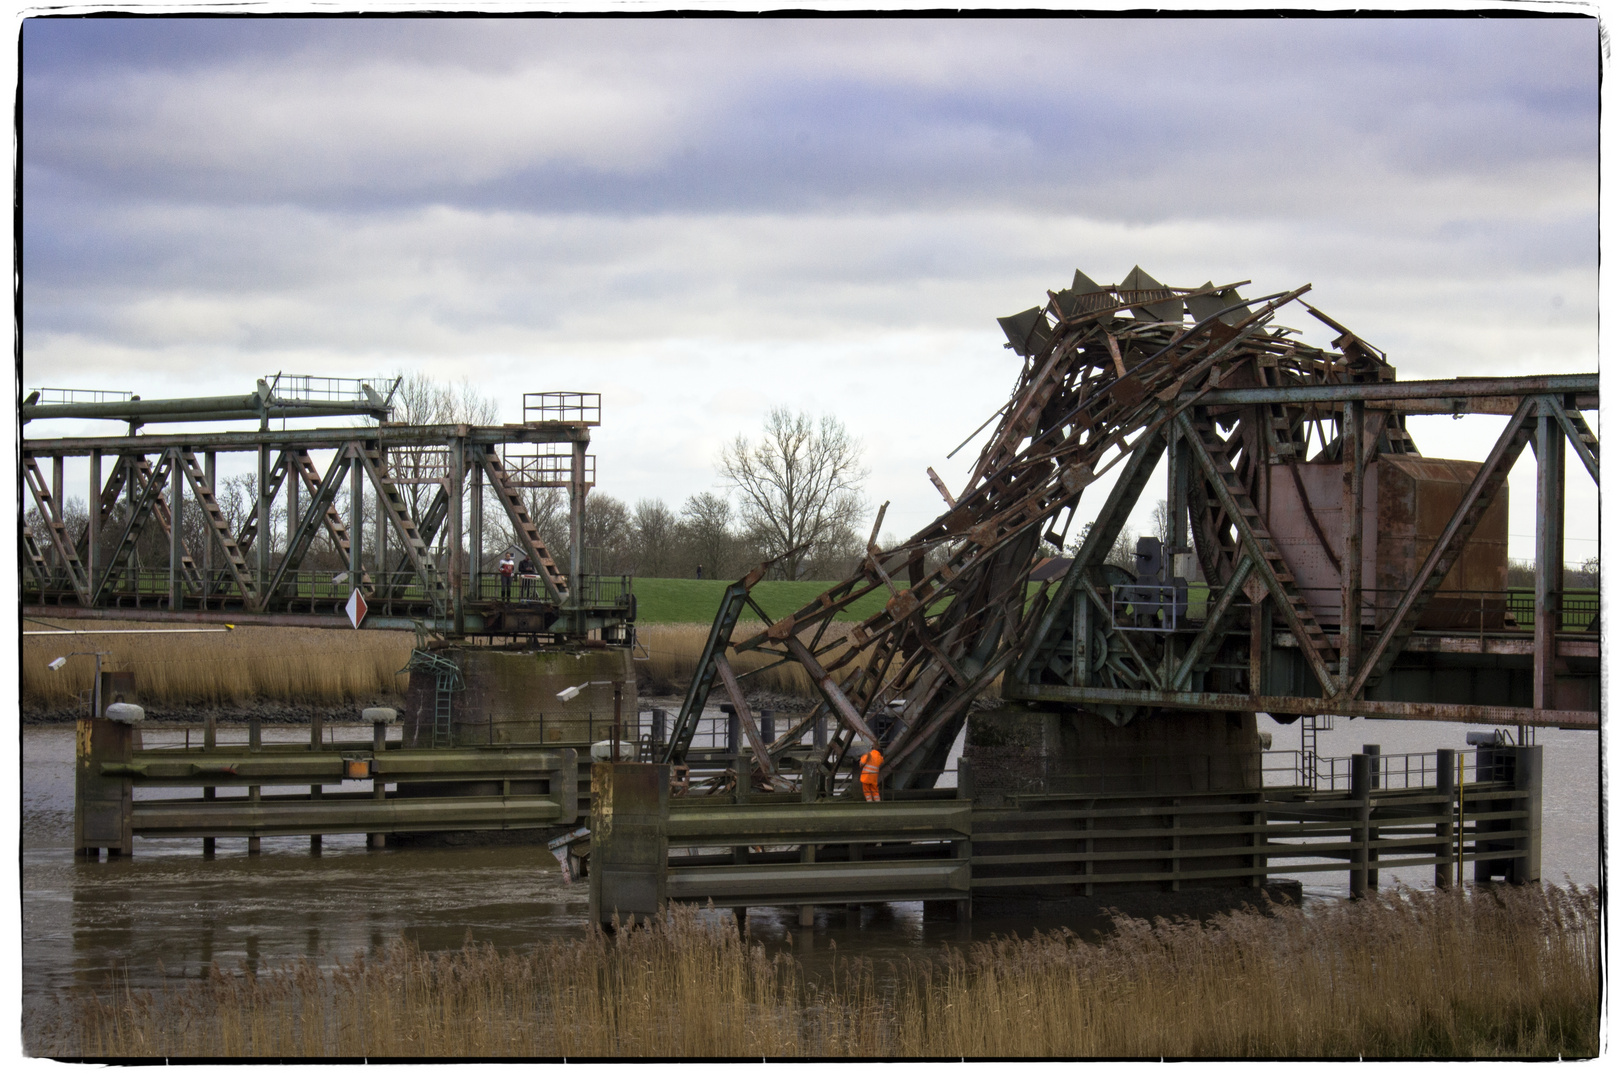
x: 356, y: 608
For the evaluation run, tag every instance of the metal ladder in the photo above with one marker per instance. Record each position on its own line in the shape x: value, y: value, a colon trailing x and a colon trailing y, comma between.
x: 447, y: 681
x: 1309, y: 727
x: 221, y: 528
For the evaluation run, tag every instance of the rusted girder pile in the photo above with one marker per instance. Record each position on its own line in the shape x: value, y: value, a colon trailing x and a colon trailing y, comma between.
x: 1107, y: 368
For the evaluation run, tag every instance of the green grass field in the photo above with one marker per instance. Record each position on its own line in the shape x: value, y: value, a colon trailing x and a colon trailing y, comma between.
x: 687, y: 600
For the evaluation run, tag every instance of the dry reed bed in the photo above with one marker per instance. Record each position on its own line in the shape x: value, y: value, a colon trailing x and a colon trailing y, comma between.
x: 1471, y: 973
x: 309, y: 666
x: 290, y: 664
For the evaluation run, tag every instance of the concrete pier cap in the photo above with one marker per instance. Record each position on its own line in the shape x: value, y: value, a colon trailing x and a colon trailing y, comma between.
x: 1031, y: 749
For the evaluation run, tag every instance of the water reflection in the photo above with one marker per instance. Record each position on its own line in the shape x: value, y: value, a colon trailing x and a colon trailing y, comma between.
x: 169, y: 912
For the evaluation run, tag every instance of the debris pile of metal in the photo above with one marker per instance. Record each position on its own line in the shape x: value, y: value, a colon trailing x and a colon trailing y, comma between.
x: 1109, y: 372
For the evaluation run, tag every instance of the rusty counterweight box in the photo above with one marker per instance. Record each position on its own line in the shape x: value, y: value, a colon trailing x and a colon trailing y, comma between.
x: 1408, y: 501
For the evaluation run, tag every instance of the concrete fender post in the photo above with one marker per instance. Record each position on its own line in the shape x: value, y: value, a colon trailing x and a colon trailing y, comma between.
x: 629, y: 841
x: 103, y: 806
x: 379, y: 719
x: 1445, y: 786
x: 1527, y: 799
x: 1361, y: 807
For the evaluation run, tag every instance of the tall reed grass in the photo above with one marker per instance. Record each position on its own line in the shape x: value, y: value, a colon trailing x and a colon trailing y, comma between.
x: 290, y: 664
x: 1471, y: 973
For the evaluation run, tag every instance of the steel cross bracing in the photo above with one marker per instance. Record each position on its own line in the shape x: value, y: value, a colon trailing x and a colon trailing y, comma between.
x: 1113, y: 377
x: 423, y: 572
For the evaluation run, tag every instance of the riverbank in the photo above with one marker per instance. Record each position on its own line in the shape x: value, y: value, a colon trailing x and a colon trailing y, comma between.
x: 1487, y: 972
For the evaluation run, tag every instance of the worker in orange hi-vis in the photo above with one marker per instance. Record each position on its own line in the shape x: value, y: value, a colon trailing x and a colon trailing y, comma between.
x: 871, y: 762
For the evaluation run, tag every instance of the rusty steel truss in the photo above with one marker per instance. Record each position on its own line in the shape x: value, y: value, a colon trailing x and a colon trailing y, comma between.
x: 1116, y: 379
x: 430, y: 485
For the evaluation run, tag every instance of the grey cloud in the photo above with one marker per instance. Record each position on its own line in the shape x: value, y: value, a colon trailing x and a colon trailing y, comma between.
x: 600, y: 117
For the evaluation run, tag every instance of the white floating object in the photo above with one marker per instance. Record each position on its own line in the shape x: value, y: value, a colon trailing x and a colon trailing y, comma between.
x: 125, y: 713
x: 378, y: 716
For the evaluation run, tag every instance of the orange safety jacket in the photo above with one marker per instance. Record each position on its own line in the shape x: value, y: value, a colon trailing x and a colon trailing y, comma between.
x: 871, y: 762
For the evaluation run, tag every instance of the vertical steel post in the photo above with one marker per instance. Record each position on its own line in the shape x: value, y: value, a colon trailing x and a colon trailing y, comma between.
x: 1549, y: 446
x: 356, y: 512
x: 92, y: 555
x: 475, y: 516
x: 1351, y: 504
x: 294, y: 481
x: 176, y: 515
x: 261, y: 534
x: 576, y: 531
x: 1445, y: 786
x: 58, y: 495
x: 1361, y: 807
x: 384, y: 586
x: 209, y: 469
x: 1375, y: 768
x: 456, y: 523
x: 1259, y: 645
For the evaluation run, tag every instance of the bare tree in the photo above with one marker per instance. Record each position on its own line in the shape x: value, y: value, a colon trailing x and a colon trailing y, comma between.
x: 706, y: 524
x: 654, y: 527
x: 800, y: 484
x: 422, y: 401
x: 1161, y: 522
x: 605, y: 535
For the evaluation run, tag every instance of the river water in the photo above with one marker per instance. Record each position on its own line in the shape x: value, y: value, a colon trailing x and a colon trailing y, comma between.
x: 169, y: 911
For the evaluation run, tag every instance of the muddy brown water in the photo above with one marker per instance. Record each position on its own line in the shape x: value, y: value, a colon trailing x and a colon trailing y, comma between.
x: 169, y: 913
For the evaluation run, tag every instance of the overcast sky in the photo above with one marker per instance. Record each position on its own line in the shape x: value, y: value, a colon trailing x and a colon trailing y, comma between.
x: 706, y: 218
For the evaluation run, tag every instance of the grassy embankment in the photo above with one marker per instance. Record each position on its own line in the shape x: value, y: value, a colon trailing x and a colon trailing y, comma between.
x: 1481, y: 973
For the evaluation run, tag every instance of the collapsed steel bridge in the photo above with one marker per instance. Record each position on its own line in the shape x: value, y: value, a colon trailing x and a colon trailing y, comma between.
x: 1295, y: 493
x: 418, y: 565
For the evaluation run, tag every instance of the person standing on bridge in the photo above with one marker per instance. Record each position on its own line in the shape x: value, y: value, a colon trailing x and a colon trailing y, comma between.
x: 508, y: 568
x: 871, y: 762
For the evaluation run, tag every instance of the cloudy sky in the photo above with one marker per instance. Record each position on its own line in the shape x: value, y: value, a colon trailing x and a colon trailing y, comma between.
x: 706, y: 218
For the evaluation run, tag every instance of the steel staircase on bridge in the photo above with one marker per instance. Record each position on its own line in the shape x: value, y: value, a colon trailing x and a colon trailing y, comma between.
x: 204, y: 495
x: 66, y: 554
x: 1251, y: 525
x: 36, y: 558
x: 416, y: 548
x: 512, y: 499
